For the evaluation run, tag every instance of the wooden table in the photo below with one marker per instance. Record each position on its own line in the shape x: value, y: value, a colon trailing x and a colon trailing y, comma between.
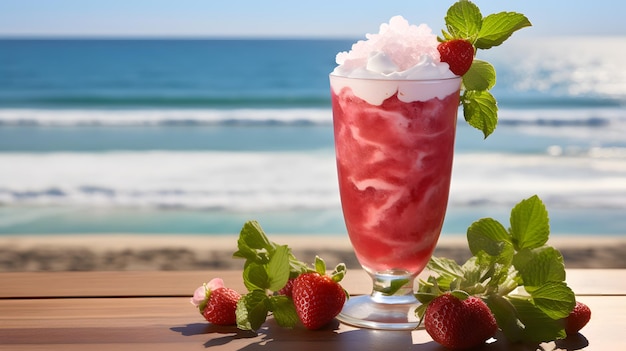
x: 151, y: 311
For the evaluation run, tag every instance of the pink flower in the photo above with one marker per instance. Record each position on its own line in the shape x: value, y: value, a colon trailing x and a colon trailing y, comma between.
x: 202, y: 293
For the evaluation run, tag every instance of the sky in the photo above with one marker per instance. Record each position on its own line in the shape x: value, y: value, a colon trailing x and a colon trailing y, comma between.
x: 285, y: 18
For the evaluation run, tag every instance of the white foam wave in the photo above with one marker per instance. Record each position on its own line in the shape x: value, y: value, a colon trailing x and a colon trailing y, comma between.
x: 155, y: 117
x: 265, y: 181
x: 615, y: 118
x: 228, y: 180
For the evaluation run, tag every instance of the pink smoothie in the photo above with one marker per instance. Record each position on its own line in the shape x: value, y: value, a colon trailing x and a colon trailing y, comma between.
x: 394, y: 166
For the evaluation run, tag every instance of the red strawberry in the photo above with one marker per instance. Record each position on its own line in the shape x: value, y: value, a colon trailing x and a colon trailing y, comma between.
x: 221, y: 305
x: 318, y: 299
x: 287, y: 289
x: 577, y: 319
x: 458, y: 53
x: 459, y: 324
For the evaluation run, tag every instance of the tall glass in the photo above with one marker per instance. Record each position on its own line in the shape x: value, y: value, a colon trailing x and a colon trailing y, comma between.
x: 394, y: 162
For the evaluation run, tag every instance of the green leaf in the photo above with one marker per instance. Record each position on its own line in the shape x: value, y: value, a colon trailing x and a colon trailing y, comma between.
x: 538, y: 326
x: 444, y: 266
x: 253, y: 244
x: 393, y: 287
x: 490, y: 236
x: 255, y: 277
x: 530, y: 225
x: 320, y: 265
x: 463, y: 20
x: 498, y: 27
x: 481, y: 76
x: 284, y: 311
x: 339, y: 272
x: 255, y: 237
x: 252, y: 310
x: 555, y: 299
x: 473, y: 270
x: 480, y: 110
x: 506, y: 317
x: 278, y: 268
x: 539, y: 266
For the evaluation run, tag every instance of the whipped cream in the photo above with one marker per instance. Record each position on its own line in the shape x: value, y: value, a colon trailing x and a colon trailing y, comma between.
x: 399, y: 53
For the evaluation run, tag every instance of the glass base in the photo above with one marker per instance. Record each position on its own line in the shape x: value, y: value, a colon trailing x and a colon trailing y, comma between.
x: 364, y: 312
x: 391, y: 306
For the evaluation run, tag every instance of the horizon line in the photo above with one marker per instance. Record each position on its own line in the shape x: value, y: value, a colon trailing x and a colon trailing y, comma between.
x: 168, y: 36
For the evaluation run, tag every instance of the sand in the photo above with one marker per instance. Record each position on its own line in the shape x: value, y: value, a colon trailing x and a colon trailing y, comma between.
x: 133, y: 252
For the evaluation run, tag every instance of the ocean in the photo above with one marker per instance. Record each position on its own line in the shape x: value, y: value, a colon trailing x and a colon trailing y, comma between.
x: 197, y: 136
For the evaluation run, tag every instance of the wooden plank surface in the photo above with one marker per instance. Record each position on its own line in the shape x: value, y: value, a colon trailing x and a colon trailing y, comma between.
x: 151, y: 311
x: 163, y: 283
x: 174, y: 324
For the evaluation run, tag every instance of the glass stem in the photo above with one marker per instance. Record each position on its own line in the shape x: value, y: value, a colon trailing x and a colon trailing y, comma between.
x: 393, y: 287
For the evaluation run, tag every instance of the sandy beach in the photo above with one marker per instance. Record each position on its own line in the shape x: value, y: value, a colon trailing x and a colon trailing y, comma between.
x: 133, y: 252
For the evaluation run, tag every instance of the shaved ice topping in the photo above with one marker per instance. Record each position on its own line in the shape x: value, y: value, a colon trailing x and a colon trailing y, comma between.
x: 399, y: 51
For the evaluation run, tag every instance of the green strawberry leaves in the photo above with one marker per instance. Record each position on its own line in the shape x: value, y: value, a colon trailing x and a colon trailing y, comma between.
x: 465, y: 21
x: 521, y: 279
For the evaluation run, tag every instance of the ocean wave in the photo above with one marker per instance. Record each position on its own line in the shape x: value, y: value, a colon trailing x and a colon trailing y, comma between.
x: 563, y: 117
x: 269, y: 181
x: 549, y: 118
x: 164, y: 117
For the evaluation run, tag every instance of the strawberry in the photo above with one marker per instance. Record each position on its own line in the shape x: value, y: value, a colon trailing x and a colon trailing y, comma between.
x: 221, y: 306
x: 318, y: 298
x: 216, y: 303
x: 458, y: 53
x: 287, y: 289
x: 577, y: 319
x: 459, y: 324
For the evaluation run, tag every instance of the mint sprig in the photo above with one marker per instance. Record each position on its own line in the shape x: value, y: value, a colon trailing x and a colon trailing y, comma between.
x: 519, y: 276
x: 465, y: 21
x: 267, y: 269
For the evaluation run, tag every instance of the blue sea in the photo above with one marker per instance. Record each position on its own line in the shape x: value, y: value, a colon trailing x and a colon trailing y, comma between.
x: 198, y: 136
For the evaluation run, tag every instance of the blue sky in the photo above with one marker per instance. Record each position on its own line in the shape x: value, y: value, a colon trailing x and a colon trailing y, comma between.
x: 285, y: 18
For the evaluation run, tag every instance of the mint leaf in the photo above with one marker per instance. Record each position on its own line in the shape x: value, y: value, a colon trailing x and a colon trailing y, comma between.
x: 480, y: 110
x: 498, y: 27
x: 252, y: 310
x: 284, y: 311
x: 539, y: 266
x: 538, y: 326
x: 463, y: 20
x: 530, y: 225
x: 255, y: 277
x: 253, y: 244
x: 481, y: 76
x: 278, y: 268
x: 445, y: 266
x: 506, y: 317
x: 555, y: 299
x: 490, y: 236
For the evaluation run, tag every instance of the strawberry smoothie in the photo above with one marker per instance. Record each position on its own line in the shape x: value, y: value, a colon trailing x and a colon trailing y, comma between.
x: 394, y: 161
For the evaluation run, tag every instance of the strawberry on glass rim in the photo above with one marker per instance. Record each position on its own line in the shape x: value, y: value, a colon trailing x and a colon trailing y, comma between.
x: 467, y: 32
